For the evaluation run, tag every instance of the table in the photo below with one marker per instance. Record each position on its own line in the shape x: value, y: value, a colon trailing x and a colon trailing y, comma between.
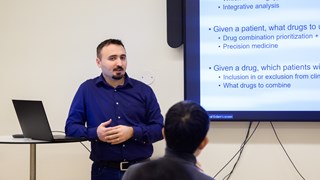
x: 33, y: 143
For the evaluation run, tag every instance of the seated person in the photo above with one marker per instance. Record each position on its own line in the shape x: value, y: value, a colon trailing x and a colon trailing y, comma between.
x: 185, y: 131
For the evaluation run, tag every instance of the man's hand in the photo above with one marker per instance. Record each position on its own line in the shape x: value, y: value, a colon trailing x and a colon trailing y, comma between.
x: 101, y: 130
x: 114, y: 135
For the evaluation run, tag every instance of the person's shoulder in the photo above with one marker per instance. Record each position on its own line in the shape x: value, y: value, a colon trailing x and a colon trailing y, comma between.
x: 88, y: 85
x: 168, y: 169
x: 139, y: 84
x: 202, y: 176
x: 90, y: 81
x: 193, y: 171
x: 199, y: 175
x: 133, y: 171
x: 134, y: 167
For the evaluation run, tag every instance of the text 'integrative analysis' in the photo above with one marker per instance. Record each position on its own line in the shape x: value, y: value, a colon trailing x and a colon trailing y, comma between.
x: 245, y: 6
x: 273, y: 75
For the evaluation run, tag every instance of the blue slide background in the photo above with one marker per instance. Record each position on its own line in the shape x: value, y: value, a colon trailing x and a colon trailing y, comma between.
x: 291, y: 52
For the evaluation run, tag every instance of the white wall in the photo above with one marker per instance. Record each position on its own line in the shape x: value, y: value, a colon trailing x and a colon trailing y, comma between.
x: 47, y: 48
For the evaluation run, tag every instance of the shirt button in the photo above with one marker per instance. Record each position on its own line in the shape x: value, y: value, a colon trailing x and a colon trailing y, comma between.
x: 117, y: 103
x: 119, y: 117
x: 124, y: 145
x: 115, y: 90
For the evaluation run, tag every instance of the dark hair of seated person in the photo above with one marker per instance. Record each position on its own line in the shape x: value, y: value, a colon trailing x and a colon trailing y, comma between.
x: 186, y: 126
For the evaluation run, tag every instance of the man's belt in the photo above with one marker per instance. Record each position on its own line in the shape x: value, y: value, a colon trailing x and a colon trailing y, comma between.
x: 122, y: 166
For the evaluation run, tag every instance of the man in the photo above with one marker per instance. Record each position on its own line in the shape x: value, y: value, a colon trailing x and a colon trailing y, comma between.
x: 118, y: 114
x: 185, y: 131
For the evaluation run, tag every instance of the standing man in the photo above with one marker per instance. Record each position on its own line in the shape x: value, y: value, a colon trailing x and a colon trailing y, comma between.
x: 118, y: 114
x: 185, y: 131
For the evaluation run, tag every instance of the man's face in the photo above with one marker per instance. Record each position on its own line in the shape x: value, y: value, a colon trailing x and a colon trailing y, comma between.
x: 113, y: 62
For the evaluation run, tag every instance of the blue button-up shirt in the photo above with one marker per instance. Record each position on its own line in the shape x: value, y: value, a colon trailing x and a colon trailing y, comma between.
x: 132, y: 104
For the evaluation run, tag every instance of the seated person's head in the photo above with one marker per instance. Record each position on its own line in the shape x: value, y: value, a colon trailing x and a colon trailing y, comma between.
x: 186, y: 126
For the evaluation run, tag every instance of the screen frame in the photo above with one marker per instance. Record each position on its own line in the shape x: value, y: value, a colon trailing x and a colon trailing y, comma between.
x: 192, y: 78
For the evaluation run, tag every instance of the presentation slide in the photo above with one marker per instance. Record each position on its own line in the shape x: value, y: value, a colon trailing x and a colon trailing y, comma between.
x: 259, y: 55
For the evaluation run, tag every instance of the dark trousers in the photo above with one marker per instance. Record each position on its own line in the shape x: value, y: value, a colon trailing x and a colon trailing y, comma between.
x: 105, y: 173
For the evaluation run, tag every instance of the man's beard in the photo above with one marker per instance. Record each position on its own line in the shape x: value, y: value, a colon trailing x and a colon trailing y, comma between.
x: 117, y: 77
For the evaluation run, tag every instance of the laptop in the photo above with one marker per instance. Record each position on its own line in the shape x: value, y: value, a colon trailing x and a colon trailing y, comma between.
x: 34, y: 122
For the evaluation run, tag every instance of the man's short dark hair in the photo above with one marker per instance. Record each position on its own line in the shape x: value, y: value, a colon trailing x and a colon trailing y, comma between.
x: 186, y: 126
x: 106, y: 43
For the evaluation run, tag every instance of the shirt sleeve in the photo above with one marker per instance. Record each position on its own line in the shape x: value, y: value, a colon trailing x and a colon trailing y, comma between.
x: 151, y: 130
x: 76, y: 121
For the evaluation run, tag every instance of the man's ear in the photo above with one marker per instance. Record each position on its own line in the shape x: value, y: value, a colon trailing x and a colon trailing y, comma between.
x: 201, y: 146
x: 163, y: 133
x: 98, y: 61
x: 203, y: 143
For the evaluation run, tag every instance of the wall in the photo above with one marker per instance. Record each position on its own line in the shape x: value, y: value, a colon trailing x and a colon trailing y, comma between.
x: 47, y: 48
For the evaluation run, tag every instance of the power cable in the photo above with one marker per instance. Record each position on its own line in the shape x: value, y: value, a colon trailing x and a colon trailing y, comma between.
x: 274, y: 130
x: 241, y: 148
x: 228, y: 176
